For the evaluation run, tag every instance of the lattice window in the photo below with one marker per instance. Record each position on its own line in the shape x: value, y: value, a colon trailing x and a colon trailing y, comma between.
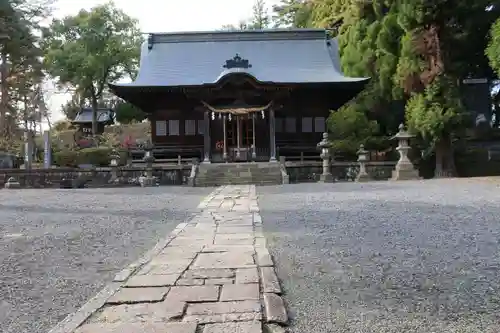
x: 307, y: 125
x: 320, y: 124
x: 190, y: 127
x: 278, y: 125
x: 290, y: 125
x: 173, y: 127
x: 161, y: 127
x: 201, y: 127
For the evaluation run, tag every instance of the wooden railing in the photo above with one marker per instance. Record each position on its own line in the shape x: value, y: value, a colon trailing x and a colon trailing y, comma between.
x: 167, y: 153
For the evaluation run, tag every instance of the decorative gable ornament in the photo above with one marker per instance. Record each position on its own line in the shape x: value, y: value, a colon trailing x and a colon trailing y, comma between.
x: 237, y: 62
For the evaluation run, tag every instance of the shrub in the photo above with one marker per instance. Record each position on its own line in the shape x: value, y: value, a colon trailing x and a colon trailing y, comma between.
x: 66, y: 158
x: 97, y: 156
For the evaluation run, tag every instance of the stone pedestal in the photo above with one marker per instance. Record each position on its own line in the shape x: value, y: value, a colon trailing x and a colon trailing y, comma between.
x: 404, y: 171
x: 404, y: 168
x: 12, y: 183
x: 146, y: 181
x: 326, y: 178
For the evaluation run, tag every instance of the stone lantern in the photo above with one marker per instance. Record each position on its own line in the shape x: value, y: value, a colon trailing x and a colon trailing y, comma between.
x: 326, y: 176
x: 148, y: 180
x: 363, y: 157
x: 404, y: 168
x: 113, y: 163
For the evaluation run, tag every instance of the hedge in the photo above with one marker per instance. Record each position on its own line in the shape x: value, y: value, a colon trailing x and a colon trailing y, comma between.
x: 97, y: 156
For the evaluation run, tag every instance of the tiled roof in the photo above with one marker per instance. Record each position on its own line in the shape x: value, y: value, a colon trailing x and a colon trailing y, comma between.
x: 274, y: 56
x: 85, y: 116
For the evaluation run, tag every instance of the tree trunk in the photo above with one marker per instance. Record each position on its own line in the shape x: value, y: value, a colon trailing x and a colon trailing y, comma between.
x: 94, y: 116
x: 5, y: 97
x: 25, y: 113
x: 445, y: 160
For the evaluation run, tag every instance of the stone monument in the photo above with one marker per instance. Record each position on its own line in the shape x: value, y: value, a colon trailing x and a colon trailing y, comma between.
x: 363, y: 157
x: 404, y: 168
x: 326, y: 176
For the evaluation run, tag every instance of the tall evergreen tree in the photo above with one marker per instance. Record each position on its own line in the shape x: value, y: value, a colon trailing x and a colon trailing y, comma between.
x: 441, y: 45
x: 260, y: 18
x: 293, y: 13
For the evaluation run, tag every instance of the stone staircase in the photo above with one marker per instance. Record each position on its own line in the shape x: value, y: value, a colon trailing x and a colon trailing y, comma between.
x: 258, y: 173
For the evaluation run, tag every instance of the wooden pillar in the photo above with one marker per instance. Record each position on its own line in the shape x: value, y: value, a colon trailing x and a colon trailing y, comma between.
x: 206, y: 137
x: 238, y: 136
x: 272, y: 136
x: 224, y: 129
x: 254, y: 150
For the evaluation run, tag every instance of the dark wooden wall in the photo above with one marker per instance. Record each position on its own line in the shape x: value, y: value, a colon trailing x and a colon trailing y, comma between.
x: 296, y: 106
x: 299, y: 107
x: 181, y: 116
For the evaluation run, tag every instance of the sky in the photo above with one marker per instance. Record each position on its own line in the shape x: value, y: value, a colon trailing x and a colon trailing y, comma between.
x: 162, y: 16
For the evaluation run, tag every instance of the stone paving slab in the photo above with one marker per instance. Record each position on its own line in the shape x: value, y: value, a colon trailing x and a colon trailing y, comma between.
x: 214, y: 275
x: 138, y: 327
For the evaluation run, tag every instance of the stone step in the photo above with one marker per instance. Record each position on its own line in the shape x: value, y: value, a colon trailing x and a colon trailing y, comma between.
x: 244, y: 173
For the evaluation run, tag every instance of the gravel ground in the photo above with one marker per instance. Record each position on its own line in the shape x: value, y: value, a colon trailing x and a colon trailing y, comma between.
x: 387, y: 257
x: 60, y: 247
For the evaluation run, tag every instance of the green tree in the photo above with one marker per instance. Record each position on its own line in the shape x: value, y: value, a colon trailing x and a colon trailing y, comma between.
x: 20, y: 62
x: 430, y: 67
x: 90, y: 49
x: 242, y: 25
x: 349, y: 128
x: 260, y: 18
x: 73, y: 106
x: 410, y: 50
x: 127, y: 113
x: 493, y: 49
x: 293, y: 13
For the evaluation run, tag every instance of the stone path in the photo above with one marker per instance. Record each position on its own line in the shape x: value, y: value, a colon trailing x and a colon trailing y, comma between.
x: 213, y: 275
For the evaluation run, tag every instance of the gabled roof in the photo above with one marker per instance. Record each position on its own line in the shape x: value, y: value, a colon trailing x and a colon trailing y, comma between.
x: 269, y: 56
x: 85, y: 116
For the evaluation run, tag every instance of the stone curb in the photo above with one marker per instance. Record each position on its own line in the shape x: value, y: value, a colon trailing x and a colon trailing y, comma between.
x: 73, y: 320
x: 275, y: 312
x: 273, y: 328
x: 77, y: 318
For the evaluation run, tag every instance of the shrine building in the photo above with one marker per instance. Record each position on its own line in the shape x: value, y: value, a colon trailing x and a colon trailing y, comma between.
x: 239, y: 95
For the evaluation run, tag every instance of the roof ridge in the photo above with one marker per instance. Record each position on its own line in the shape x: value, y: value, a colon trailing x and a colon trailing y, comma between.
x: 243, y: 35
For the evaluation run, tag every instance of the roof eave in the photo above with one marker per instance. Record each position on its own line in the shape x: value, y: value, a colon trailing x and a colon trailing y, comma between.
x: 345, y: 80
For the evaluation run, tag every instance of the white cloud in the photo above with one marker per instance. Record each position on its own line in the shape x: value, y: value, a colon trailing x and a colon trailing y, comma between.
x: 163, y: 16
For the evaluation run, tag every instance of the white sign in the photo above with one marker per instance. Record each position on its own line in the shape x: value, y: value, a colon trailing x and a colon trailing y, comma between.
x: 475, y: 81
x: 28, y: 151
x: 47, y: 158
